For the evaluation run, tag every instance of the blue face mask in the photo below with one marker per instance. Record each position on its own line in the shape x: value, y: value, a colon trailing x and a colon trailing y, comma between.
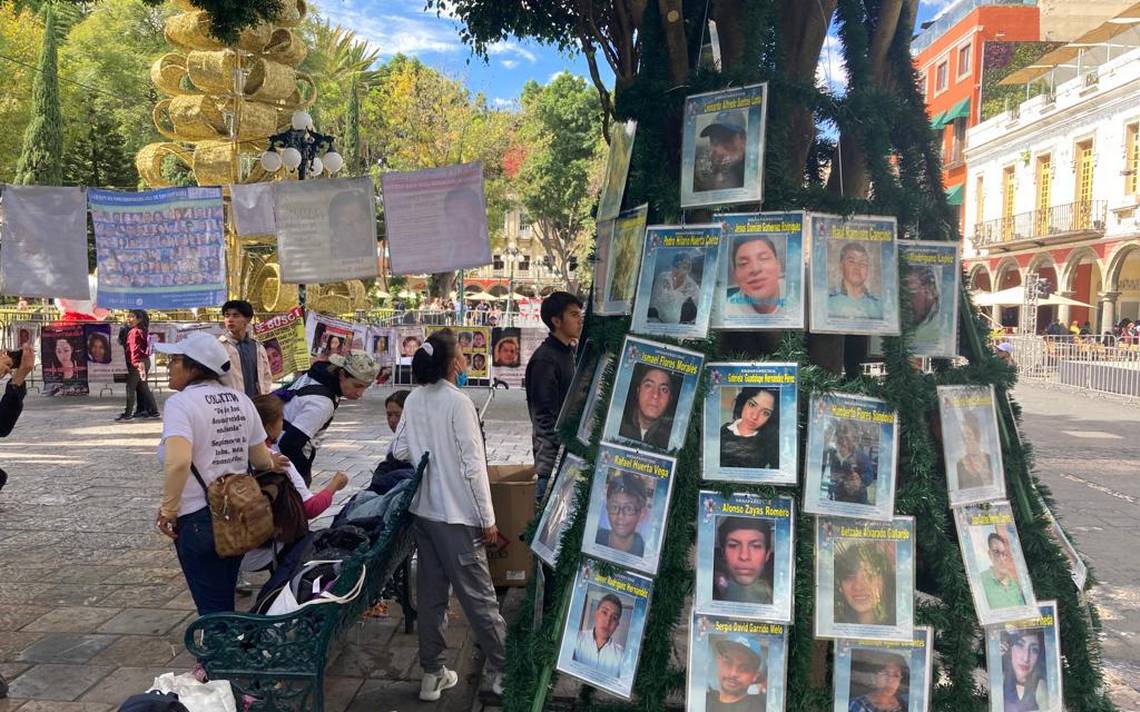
x: 461, y: 379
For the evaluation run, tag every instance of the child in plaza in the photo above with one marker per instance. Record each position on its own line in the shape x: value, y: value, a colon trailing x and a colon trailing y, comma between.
x: 454, y: 520
x: 136, y: 344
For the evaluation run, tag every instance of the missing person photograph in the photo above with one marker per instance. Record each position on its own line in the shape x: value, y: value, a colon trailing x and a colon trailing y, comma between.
x: 560, y: 510
x: 852, y: 448
x: 589, y: 414
x: 854, y: 275
x: 98, y: 338
x: 605, y: 621
x: 629, y: 501
x: 574, y: 402
x: 995, y: 565
x: 864, y: 578
x: 622, y: 258
x: 1076, y: 564
x: 745, y: 556
x: 652, y: 396
x: 760, y: 278
x: 603, y: 241
x: 409, y: 339
x: 876, y: 676
x: 678, y: 275
x: 929, y: 285
x: 1024, y: 662
x: 506, y: 346
x: 736, y: 664
x: 617, y: 169
x: 750, y: 423
x: 970, y: 445
x: 722, y: 151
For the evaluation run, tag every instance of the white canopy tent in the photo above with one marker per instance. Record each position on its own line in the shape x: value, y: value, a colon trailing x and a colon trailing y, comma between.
x: 1015, y: 297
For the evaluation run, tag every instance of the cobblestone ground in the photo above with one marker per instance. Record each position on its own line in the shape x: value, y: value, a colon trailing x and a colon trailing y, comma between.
x: 93, y: 605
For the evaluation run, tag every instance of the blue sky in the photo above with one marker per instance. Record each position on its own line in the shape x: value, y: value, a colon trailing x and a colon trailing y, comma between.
x: 403, y: 26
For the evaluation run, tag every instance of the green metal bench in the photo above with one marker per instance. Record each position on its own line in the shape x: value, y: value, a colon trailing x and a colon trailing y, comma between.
x: 280, y: 660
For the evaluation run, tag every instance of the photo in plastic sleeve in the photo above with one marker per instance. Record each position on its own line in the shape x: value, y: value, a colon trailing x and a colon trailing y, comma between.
x: 930, y: 276
x: 745, y: 561
x: 605, y: 621
x: 629, y: 503
x: 506, y: 347
x: 854, y: 275
x: 407, y: 341
x: 751, y: 423
x: 760, y: 278
x: 864, y: 578
x: 1024, y: 662
x: 100, y: 353
x: 653, y: 394
x: 589, y: 417
x: 623, y: 261
x: 852, y: 449
x: 995, y: 565
x: 63, y: 355
x: 883, y: 675
x: 561, y: 508
x: 617, y: 169
x: 575, y: 400
x: 722, y: 148
x: 970, y: 445
x: 736, y: 664
x: 678, y: 277
x: 1077, y: 565
x: 603, y: 242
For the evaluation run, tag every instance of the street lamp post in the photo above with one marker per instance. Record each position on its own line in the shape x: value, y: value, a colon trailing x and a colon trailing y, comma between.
x: 512, y: 257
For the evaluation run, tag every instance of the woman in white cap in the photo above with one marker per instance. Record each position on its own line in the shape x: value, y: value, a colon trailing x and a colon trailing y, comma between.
x: 208, y: 430
x: 454, y: 520
x: 311, y: 402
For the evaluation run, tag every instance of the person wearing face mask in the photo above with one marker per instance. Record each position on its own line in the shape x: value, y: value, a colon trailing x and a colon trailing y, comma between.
x: 454, y: 521
x: 311, y: 402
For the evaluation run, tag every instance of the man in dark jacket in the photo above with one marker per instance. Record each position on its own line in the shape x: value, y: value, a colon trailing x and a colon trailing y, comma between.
x: 12, y: 402
x: 548, y: 376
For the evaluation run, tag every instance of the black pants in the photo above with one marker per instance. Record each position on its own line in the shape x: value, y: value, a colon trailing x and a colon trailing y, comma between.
x: 137, y: 386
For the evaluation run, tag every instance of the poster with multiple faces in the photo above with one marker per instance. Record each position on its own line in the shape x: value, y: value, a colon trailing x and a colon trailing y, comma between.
x: 678, y: 277
x: 1023, y: 658
x: 751, y: 417
x: 878, y: 674
x: 475, y: 343
x: 864, y: 578
x: 854, y: 275
x: 995, y: 566
x: 560, y: 510
x: 653, y: 395
x: 745, y: 556
x: 760, y: 279
x: 930, y: 276
x: 736, y: 664
x: 970, y: 444
x: 722, y: 148
x: 852, y: 448
x: 605, y: 621
x: 629, y: 503
x: 619, y: 256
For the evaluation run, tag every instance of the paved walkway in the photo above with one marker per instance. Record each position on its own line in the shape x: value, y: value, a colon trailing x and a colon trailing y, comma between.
x: 93, y: 605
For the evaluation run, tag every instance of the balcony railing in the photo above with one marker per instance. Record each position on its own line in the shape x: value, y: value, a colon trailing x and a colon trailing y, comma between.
x: 1066, y: 220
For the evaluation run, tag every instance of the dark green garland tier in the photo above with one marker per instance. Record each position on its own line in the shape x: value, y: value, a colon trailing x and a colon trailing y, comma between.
x: 887, y: 119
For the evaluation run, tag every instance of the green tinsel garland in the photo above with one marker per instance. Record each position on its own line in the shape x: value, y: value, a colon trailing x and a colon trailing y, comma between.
x: 887, y: 124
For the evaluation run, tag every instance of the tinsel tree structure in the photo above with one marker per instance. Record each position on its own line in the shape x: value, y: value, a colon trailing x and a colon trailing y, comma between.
x: 882, y: 161
x: 41, y: 160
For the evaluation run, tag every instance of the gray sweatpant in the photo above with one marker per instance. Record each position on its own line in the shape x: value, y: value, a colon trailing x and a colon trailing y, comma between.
x: 453, y: 555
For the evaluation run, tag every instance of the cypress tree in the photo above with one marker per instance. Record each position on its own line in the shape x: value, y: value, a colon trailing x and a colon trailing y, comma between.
x: 351, y: 148
x: 41, y: 161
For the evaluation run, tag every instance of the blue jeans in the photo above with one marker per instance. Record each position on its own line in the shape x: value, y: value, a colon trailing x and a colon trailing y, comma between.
x: 211, y: 578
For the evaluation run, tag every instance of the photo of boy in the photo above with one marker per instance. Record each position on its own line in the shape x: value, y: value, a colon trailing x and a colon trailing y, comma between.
x: 742, y: 570
x: 626, y: 498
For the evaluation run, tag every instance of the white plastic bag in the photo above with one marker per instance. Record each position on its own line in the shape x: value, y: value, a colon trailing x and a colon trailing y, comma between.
x: 286, y: 600
x: 213, y: 696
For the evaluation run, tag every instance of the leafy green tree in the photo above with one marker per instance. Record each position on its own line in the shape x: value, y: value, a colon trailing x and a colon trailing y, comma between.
x: 350, y: 146
x: 98, y: 157
x: 41, y: 161
x: 21, y: 35
x: 337, y: 58
x: 560, y: 126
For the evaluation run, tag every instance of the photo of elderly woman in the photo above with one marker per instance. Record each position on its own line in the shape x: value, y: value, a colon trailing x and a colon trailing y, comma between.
x: 879, y: 682
x: 750, y: 437
x: 864, y: 581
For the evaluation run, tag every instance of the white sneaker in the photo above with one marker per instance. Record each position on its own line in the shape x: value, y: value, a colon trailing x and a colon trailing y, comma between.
x: 433, y: 683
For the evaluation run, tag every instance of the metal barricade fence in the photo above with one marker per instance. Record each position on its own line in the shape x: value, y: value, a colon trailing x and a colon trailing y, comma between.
x: 1104, y: 364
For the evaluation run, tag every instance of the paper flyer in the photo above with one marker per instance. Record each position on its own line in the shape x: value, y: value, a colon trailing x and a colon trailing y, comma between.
x: 589, y: 417
x: 326, y: 230
x: 605, y: 622
x: 760, y: 278
x: 897, y: 673
x: 619, y: 255
x: 1076, y: 564
x: 751, y: 423
x: 677, y: 280
x: 283, y: 337
x: 736, y: 664
x: 653, y: 395
x: 560, y: 510
x: 970, y: 445
x: 745, y: 556
x: 617, y: 169
x: 573, y: 405
x: 995, y: 567
x: 722, y: 148
x: 864, y: 578
x: 63, y: 356
x: 629, y: 501
x: 1023, y: 658
x: 326, y: 335
x: 930, y: 276
x: 854, y: 275
x: 851, y: 453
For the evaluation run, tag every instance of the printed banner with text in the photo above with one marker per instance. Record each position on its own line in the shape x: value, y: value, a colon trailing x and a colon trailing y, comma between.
x: 283, y: 337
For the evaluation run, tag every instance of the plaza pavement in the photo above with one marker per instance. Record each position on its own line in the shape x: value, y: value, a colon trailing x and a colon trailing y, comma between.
x: 93, y: 605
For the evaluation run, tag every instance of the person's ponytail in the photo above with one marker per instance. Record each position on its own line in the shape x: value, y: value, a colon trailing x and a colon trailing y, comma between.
x: 432, y: 361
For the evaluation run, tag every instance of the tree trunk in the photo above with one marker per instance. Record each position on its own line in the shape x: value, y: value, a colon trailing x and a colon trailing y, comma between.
x: 729, y: 18
x: 673, y: 27
x: 808, y: 22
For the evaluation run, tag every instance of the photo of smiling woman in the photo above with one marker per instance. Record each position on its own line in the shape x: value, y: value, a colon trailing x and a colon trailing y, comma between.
x: 865, y: 582
x: 1024, y: 662
x: 752, y: 437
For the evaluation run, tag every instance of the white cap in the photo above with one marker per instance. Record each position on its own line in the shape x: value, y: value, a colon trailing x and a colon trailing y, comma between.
x: 201, y: 347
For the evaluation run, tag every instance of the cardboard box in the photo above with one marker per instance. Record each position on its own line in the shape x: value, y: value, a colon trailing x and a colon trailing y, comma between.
x: 512, y: 496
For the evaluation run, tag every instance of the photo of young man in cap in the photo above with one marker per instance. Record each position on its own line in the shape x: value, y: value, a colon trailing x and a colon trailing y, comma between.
x: 720, y: 154
x: 739, y: 670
